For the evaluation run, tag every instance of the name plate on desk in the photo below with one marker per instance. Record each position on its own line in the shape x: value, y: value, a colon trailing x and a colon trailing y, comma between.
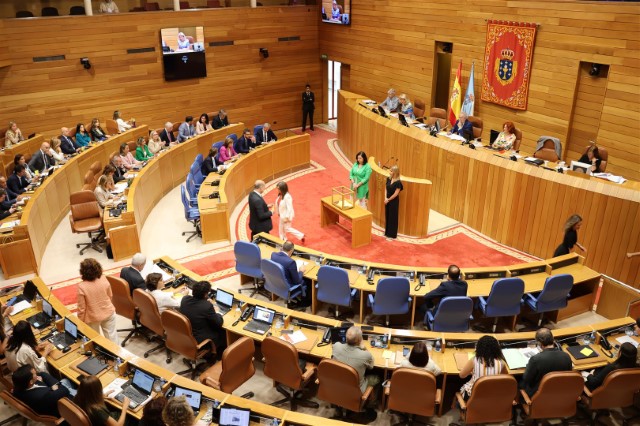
x: 484, y: 275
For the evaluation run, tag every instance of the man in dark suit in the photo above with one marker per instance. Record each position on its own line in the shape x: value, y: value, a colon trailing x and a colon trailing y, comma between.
x: 67, y: 145
x: 259, y: 212
x: 118, y: 175
x: 308, y: 106
x: 210, y: 164
x: 39, y: 391
x: 292, y: 273
x: 12, y: 197
x: 246, y: 141
x: 41, y: 160
x: 463, y: 127
x: 221, y: 120
x: 17, y: 182
x: 550, y: 359
x: 6, y: 209
x: 205, y: 322
x: 166, y: 135
x: 132, y: 274
x: 265, y: 135
x: 453, y: 286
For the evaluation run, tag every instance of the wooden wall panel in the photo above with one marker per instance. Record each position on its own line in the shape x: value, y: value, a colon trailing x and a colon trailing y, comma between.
x: 42, y: 96
x: 391, y: 44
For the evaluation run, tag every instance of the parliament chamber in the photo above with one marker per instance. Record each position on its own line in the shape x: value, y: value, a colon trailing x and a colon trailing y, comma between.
x: 45, y: 86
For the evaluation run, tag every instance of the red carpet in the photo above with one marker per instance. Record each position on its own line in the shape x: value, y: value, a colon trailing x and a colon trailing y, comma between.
x: 459, y: 244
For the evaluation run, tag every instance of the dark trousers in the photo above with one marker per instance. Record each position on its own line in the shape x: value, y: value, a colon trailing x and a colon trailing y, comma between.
x: 305, y: 112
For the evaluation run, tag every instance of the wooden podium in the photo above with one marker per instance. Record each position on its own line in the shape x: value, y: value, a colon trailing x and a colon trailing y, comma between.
x: 359, y: 217
x: 415, y: 201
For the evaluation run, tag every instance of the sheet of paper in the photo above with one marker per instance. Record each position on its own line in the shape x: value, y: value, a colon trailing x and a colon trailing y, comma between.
x: 20, y: 306
x: 150, y: 267
x: 627, y: 339
x: 10, y: 224
x: 114, y: 388
x: 388, y: 354
x: 301, y: 263
x: 586, y: 351
x: 295, y: 337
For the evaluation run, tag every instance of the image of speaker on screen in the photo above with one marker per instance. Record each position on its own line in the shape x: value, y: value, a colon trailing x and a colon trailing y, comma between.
x: 183, y: 53
x: 182, y: 39
x: 336, y: 11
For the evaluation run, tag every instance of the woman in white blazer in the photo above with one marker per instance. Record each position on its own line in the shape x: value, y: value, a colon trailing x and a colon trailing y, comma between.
x: 285, y: 210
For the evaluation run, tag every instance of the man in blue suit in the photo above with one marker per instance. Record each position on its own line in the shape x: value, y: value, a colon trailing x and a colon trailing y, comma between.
x: 292, y: 273
x: 265, y: 135
x: 67, y: 144
x: 463, y: 127
x: 39, y: 391
x: 453, y: 286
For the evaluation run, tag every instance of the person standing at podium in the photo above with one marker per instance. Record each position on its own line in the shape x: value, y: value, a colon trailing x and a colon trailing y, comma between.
x: 392, y: 203
x: 359, y: 176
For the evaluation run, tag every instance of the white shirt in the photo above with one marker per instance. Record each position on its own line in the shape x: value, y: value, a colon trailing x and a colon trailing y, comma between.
x: 24, y: 355
x: 431, y: 366
x: 285, y: 207
x: 165, y: 300
x: 122, y: 125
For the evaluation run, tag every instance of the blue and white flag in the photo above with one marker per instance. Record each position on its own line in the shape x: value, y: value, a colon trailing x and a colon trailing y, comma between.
x: 470, y: 97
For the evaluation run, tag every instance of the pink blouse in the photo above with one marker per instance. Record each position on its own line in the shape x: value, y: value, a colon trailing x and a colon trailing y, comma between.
x: 226, y: 154
x: 94, y: 300
x: 128, y: 161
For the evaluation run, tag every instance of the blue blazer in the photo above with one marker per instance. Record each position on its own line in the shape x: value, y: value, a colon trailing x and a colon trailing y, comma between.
x: 466, y: 131
x: 291, y: 273
x: 447, y: 289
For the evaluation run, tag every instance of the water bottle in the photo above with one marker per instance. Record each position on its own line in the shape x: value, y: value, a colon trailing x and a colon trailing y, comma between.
x: 83, y: 344
x: 592, y: 338
x: 116, y: 366
x: 438, y: 345
x: 275, y: 422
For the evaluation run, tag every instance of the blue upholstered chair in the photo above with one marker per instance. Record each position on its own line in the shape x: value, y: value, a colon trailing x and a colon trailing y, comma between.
x: 248, y: 263
x: 191, y: 214
x: 192, y: 190
x: 196, y: 173
x: 257, y: 129
x: 234, y: 137
x: 333, y: 287
x: 452, y: 315
x: 276, y: 282
x: 391, y: 297
x: 554, y: 295
x: 199, y: 159
x: 504, y: 299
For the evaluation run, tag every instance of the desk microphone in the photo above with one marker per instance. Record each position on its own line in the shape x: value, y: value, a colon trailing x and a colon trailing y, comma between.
x: 422, y: 279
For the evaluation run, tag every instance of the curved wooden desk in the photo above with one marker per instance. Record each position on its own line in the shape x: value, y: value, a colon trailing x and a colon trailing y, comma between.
x: 21, y: 251
x: 269, y: 161
x: 154, y: 181
x: 514, y: 203
x: 415, y: 201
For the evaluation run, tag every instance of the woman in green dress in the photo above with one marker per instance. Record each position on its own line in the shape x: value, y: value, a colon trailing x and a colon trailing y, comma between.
x: 360, y: 173
x: 142, y: 150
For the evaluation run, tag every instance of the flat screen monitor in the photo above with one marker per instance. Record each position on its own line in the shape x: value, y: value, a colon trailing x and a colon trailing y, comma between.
x: 183, y: 53
x: 577, y: 166
x: 336, y: 12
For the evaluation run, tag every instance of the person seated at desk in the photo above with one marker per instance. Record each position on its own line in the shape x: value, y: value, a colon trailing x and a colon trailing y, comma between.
x: 164, y: 299
x: 265, y: 135
x: 103, y: 194
x: 186, y: 130
x: 6, y: 209
x: 335, y: 11
x: 22, y: 160
x: 155, y: 144
x: 13, y: 135
x: 56, y: 151
x: 205, y: 322
x: 551, y: 358
x: 128, y: 162
x: 203, y: 125
x: 97, y: 133
x: 142, y: 150
x: 83, y: 138
x: 123, y: 126
x: 487, y: 362
x: 592, y: 156
x: 90, y: 398
x: 108, y: 6
x: 183, y: 42
x: 210, y: 163
x: 166, y: 135
x: 463, y: 127
x: 292, y: 273
x: 39, y: 391
x: 355, y: 354
x: 152, y: 412
x: 17, y: 182
x: 506, y: 138
x: 453, y: 286
x: 392, y: 102
x: 41, y: 160
x: 406, y: 108
x: 178, y: 412
x: 419, y: 358
x: 626, y: 359
x: 245, y: 142
x: 67, y: 144
x: 221, y: 120
x: 133, y: 274
x: 12, y: 197
x: 23, y: 349
x: 119, y: 171
x: 227, y: 153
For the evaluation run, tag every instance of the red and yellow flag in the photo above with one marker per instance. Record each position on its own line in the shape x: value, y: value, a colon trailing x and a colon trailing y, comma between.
x: 456, y: 93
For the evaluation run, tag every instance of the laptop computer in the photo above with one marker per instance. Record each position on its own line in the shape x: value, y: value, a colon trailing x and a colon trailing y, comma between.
x: 224, y: 301
x: 42, y: 319
x: 230, y: 416
x: 28, y: 293
x: 193, y: 397
x: 262, y: 320
x: 139, y: 390
x: 68, y: 338
x: 493, y: 136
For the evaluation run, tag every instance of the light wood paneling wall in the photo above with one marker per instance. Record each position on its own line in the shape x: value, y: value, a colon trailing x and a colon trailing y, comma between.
x: 391, y: 44
x: 41, y: 96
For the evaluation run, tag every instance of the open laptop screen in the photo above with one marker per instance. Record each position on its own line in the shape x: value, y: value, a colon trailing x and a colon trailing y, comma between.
x: 193, y: 397
x: 224, y: 298
x: 263, y: 314
x: 71, y: 328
